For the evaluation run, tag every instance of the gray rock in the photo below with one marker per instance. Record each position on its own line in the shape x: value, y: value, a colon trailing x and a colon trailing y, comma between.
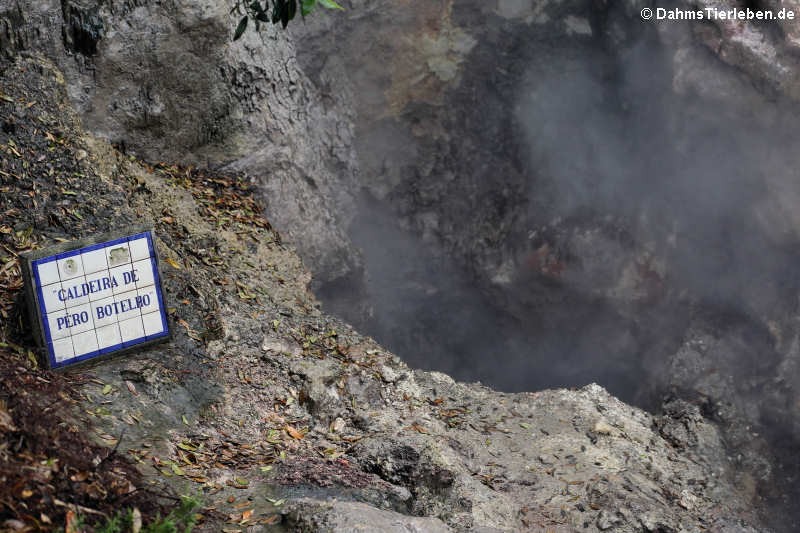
x: 306, y: 515
x: 143, y: 72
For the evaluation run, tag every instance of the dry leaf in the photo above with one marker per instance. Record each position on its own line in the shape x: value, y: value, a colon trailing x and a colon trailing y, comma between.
x: 131, y: 388
x: 294, y: 433
x: 247, y: 514
x: 6, y: 422
x: 136, y: 518
x: 71, y: 523
x: 172, y: 262
x: 79, y: 477
x: 14, y: 525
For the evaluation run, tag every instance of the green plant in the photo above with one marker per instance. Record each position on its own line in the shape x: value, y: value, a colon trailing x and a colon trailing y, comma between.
x: 274, y: 11
x: 183, y: 516
x: 113, y: 525
x: 182, y: 519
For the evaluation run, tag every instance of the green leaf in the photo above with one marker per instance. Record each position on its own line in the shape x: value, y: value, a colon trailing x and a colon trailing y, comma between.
x: 240, y: 28
x: 307, y: 6
x: 330, y: 4
x: 106, y: 389
x: 278, y: 8
x: 185, y: 421
x: 33, y: 360
x: 285, y: 15
x: 291, y: 9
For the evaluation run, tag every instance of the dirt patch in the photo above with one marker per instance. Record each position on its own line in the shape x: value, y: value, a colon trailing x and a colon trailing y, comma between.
x: 47, y: 466
x: 324, y: 473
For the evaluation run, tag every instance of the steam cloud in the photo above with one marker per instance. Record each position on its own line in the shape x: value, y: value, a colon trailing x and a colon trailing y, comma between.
x: 622, y: 169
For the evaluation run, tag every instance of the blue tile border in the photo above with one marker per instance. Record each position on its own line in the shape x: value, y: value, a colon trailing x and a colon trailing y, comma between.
x: 157, y: 283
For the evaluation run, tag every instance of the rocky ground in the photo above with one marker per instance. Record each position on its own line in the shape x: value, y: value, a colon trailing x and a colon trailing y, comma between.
x: 280, y: 417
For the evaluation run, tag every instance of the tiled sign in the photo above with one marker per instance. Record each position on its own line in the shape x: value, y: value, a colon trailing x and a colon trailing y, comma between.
x: 97, y: 299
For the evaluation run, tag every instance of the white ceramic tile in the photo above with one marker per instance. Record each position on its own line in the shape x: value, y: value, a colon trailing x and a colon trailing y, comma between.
x: 56, y: 323
x: 123, y: 278
x: 79, y: 318
x: 126, y: 306
x: 152, y: 324
x: 118, y: 254
x: 144, y: 273
x: 131, y: 329
x: 148, y: 299
x: 50, y: 298
x: 108, y: 336
x: 62, y: 349
x: 104, y: 312
x: 99, y: 285
x: 74, y: 291
x: 48, y: 273
x: 70, y: 267
x: 85, y: 343
x: 94, y: 261
x: 139, y: 249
